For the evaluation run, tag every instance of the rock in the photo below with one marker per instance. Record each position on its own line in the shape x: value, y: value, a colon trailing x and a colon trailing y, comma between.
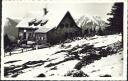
x: 41, y: 75
x: 106, y: 75
x: 76, y: 73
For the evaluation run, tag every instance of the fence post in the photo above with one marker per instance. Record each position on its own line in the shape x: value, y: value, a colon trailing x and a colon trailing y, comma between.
x: 10, y: 53
x: 22, y: 50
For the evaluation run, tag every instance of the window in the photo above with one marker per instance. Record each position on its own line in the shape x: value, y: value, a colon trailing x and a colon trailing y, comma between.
x: 71, y: 25
x: 66, y: 25
x: 42, y: 38
x: 62, y: 25
x: 25, y: 31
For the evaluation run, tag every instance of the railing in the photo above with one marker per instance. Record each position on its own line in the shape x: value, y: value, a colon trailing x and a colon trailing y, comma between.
x: 18, y: 50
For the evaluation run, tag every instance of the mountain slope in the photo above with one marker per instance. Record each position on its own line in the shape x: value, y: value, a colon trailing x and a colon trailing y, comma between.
x: 10, y: 28
x: 91, y: 22
x: 60, y: 60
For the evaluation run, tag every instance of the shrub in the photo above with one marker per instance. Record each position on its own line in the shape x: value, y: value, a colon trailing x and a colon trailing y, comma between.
x: 79, y: 65
x: 76, y: 73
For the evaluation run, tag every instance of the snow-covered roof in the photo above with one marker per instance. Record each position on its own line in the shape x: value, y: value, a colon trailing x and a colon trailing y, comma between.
x: 50, y: 20
x: 35, y: 22
x: 54, y: 19
x: 24, y: 23
x: 42, y: 30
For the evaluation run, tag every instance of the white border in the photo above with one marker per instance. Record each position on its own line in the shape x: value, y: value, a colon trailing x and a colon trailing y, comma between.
x: 69, y: 78
x: 65, y: 1
x: 125, y: 27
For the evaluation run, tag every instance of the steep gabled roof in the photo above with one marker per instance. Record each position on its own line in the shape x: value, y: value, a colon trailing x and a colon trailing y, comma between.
x: 54, y: 19
x: 69, y: 16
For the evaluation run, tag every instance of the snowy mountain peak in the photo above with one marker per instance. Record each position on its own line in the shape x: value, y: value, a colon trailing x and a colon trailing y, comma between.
x: 87, y: 21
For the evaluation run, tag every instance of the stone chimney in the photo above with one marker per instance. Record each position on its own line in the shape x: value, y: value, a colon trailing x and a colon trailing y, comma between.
x: 45, y: 11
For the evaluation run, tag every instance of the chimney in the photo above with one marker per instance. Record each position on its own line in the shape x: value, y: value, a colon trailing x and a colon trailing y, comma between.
x: 45, y: 11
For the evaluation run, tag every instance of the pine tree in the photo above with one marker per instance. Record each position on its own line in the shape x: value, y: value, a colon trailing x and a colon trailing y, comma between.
x: 116, y: 22
x: 6, y: 41
x: 86, y: 32
x: 90, y: 31
x: 100, y: 32
x: 94, y: 31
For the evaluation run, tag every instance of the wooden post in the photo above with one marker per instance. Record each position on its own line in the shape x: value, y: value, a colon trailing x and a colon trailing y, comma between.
x: 22, y: 50
x: 36, y: 47
x: 10, y: 53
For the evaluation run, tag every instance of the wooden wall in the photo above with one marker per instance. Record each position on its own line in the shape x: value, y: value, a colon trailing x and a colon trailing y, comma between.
x: 66, y: 29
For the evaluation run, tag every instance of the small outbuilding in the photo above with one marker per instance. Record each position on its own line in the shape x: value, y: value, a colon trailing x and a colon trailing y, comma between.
x: 41, y: 35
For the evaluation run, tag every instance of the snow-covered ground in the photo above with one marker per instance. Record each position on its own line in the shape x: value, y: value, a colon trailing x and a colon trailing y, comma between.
x: 58, y: 66
x: 111, y: 65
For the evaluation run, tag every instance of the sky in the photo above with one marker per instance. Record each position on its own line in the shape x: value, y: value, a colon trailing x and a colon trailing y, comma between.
x: 22, y: 9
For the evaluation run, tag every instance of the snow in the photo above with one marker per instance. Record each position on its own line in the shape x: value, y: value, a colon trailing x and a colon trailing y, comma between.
x: 106, y: 65
x: 111, y: 65
x: 63, y: 68
x: 85, y: 20
x: 97, y: 41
